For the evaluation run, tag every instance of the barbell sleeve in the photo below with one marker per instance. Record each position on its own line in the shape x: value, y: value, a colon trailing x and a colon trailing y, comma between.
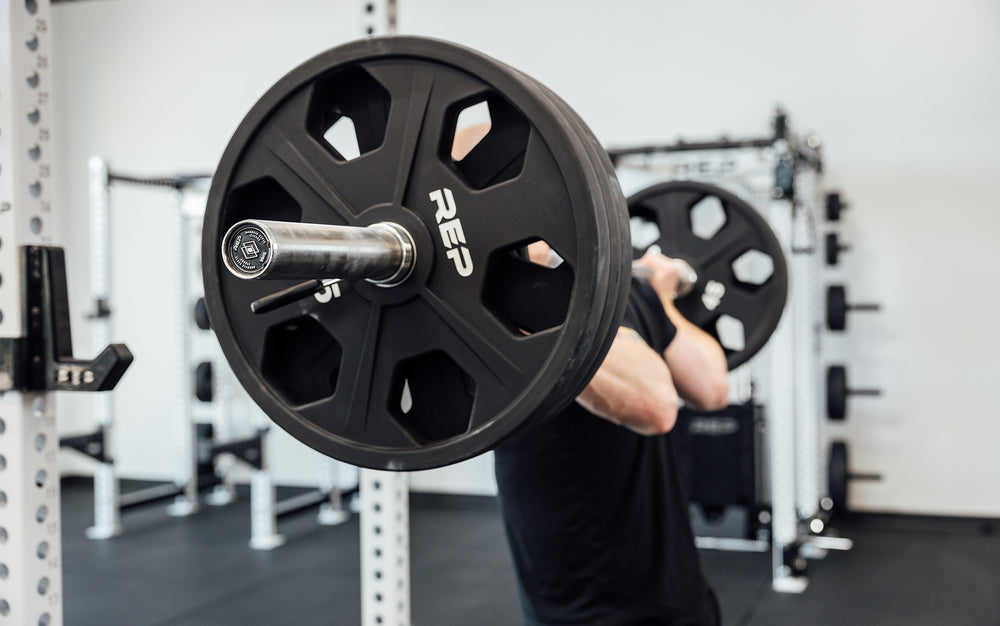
x: 382, y: 253
x: 686, y: 276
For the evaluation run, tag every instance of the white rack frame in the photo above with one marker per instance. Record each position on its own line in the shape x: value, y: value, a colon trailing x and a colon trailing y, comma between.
x: 30, y: 520
x: 383, y: 496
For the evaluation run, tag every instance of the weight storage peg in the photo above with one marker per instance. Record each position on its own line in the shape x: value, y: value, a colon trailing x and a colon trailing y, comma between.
x: 837, y: 307
x: 837, y: 392
x: 839, y: 475
x: 833, y: 248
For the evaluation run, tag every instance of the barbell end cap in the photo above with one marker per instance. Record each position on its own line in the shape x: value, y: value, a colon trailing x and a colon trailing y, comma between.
x: 247, y: 250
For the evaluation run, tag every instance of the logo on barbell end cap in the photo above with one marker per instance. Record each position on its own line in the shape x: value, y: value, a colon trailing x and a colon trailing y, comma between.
x: 249, y: 250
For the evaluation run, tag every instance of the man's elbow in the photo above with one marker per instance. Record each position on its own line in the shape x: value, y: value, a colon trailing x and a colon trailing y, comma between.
x: 718, y: 395
x: 713, y: 395
x: 661, y: 413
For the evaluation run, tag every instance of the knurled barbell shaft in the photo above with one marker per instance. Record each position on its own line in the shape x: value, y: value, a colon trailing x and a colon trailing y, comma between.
x: 382, y: 253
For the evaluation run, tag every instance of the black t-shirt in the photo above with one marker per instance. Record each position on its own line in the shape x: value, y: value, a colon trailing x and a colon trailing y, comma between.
x: 596, y: 516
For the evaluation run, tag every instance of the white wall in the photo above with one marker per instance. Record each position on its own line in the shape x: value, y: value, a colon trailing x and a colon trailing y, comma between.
x: 904, y: 94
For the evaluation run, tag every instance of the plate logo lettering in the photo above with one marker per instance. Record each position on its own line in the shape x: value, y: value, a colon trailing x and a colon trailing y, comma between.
x: 450, y: 229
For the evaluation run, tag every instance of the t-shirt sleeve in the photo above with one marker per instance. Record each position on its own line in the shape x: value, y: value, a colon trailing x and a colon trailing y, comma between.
x: 645, y: 315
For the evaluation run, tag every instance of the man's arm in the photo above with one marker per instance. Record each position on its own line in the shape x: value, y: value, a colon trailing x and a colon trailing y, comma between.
x: 633, y: 387
x: 695, y: 358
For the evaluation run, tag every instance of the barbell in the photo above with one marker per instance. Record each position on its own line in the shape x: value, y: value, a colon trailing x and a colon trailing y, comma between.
x: 370, y: 287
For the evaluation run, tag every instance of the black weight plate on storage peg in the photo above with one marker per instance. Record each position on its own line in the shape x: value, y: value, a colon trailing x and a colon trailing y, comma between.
x: 836, y: 392
x: 201, y: 314
x: 834, y: 206
x: 742, y: 274
x: 837, y: 475
x: 836, y: 307
x: 432, y: 371
x: 833, y: 248
x: 204, y: 381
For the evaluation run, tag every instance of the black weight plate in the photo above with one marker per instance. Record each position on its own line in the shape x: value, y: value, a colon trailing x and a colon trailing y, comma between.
x: 601, y: 289
x: 201, y: 314
x: 836, y: 392
x: 834, y: 206
x: 832, y: 248
x: 617, y: 216
x: 618, y: 249
x: 718, y: 290
x: 362, y: 395
x: 204, y: 381
x: 836, y: 307
x: 837, y: 476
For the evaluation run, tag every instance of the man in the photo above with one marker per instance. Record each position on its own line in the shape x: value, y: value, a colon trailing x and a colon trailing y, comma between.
x: 592, y: 501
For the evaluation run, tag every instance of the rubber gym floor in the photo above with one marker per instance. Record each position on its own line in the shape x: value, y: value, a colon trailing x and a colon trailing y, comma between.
x: 199, y: 570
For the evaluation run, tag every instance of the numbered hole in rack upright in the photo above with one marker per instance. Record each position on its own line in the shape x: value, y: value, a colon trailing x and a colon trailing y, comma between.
x: 3, y: 462
x: 34, y: 115
x: 39, y: 442
x: 35, y: 189
x: 40, y: 477
x: 35, y: 152
x: 45, y: 619
x: 32, y: 79
x: 43, y: 550
x: 3, y: 426
x: 31, y: 6
x: 41, y: 514
x: 4, y: 608
x: 3, y: 498
x: 3, y: 535
x: 4, y: 572
x: 43, y: 586
x: 32, y: 42
x: 36, y: 225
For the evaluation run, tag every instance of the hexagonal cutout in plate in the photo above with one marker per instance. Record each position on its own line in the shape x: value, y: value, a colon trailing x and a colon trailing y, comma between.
x: 485, y: 140
x: 644, y: 230
x: 731, y: 333
x: 431, y: 397
x: 301, y: 360
x: 708, y: 216
x: 527, y: 287
x: 753, y: 268
x: 262, y: 199
x: 349, y: 113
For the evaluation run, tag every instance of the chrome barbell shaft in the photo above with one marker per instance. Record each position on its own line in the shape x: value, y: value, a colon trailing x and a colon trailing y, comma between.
x: 382, y: 253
